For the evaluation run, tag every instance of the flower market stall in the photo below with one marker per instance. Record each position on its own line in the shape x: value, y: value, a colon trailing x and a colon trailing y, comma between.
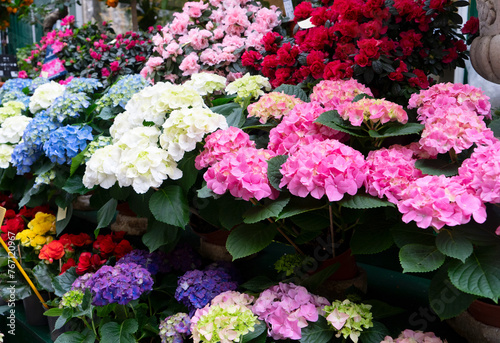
x: 229, y: 178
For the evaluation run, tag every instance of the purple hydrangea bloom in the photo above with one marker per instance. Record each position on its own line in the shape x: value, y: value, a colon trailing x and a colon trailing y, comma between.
x: 197, y: 288
x: 184, y: 258
x: 120, y: 284
x: 174, y: 329
x: 154, y: 262
x: 66, y: 142
x: 82, y: 282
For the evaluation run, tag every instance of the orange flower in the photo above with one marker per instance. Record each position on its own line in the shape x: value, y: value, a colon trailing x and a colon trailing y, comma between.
x: 52, y: 251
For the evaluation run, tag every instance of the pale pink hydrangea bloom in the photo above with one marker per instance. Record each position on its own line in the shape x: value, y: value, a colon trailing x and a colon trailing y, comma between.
x: 190, y: 64
x: 298, y: 128
x: 456, y: 128
x: 287, y: 308
x: 330, y: 93
x: 243, y: 173
x: 389, y: 171
x: 466, y: 96
x: 481, y: 172
x: 273, y: 105
x: 222, y: 142
x: 438, y: 201
x: 328, y: 167
x: 410, y: 336
x: 372, y: 111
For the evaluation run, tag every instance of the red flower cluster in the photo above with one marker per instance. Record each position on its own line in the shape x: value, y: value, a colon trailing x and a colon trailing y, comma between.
x: 376, y: 42
x: 16, y: 222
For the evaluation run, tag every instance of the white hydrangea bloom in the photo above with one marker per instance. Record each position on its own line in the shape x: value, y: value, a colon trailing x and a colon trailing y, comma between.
x: 101, y: 168
x: 186, y: 127
x: 5, y: 155
x: 121, y: 124
x: 206, y: 83
x: 11, y: 109
x: 45, y: 95
x: 142, y: 136
x: 146, y: 167
x: 248, y: 86
x: 12, y: 129
x: 153, y: 103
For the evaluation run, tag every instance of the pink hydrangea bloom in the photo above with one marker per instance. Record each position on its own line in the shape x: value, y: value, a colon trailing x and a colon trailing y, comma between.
x: 222, y: 142
x: 332, y: 93
x: 410, y: 336
x: 465, y: 96
x: 298, y: 128
x: 454, y: 127
x: 438, y: 201
x: 243, y: 173
x: 372, y: 111
x: 327, y: 167
x: 287, y: 308
x: 273, y: 105
x: 481, y: 172
x: 389, y: 171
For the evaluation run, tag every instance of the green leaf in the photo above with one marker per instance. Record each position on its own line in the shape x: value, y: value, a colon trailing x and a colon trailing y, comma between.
x: 139, y: 203
x: 445, y: 299
x: 311, y: 222
x: 495, y: 127
x: 400, y: 130
x: 113, y: 332
x: 106, y: 113
x: 260, y: 329
x: 258, y: 284
x: 269, y: 210
x: 317, y: 332
x: 375, y: 334
x: 300, y: 205
x: 293, y: 90
x: 61, y: 224
x: 333, y: 121
x: 43, y: 276
x: 381, y: 310
x: 222, y: 101
x: 454, y: 243
x: 62, y: 283
x: 233, y: 113
x: 230, y: 219
x: 364, y: 201
x: 74, y: 185
x: 119, y: 193
x: 437, y: 167
x: 53, y: 312
x: 404, y: 234
x: 77, y: 161
x: 315, y: 280
x: 66, y: 315
x: 189, y: 171
x: 479, y: 275
x: 106, y: 213
x: 273, y: 170
x: 419, y: 258
x: 371, y: 239
x: 159, y: 234
x: 248, y: 239
x: 361, y: 96
x: 76, y: 337
x: 169, y: 205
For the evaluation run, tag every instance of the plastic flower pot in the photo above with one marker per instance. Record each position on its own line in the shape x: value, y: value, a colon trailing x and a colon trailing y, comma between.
x: 34, y: 310
x: 54, y: 334
x: 348, y: 268
x: 485, y: 313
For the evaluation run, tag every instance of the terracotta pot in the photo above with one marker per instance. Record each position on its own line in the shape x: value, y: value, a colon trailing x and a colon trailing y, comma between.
x: 127, y: 220
x: 213, y: 245
x: 488, y: 314
x: 218, y: 237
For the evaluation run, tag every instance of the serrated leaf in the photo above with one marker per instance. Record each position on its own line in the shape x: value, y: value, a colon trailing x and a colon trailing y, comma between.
x: 454, y: 243
x: 311, y: 222
x: 400, y: 130
x: 300, y: 205
x: 159, y: 234
x: 404, y: 234
x: 189, y: 171
x: 248, y: 239
x: 43, y: 276
x: 258, y: 284
x: 331, y: 119
x: 169, y: 205
x: 273, y: 170
x: 364, y: 201
x: 293, y: 90
x: 113, y: 332
x: 445, y: 299
x: 419, y: 258
x: 106, y: 213
x: 62, y: 283
x: 479, y: 275
x: 74, y: 185
x: 258, y: 330
x: 268, y: 210
x: 233, y: 113
x: 106, y: 113
x: 374, y: 334
x: 315, y: 280
x: 371, y: 239
x: 76, y: 337
x: 437, y: 167
x: 230, y: 219
x: 317, y: 332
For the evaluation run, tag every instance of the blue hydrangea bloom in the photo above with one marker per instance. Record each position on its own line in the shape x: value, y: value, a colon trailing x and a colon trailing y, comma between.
x: 15, y: 84
x: 23, y: 157
x: 68, y: 105
x: 119, y: 284
x: 121, y: 92
x: 66, y: 142
x: 82, y: 84
x: 15, y: 95
x: 175, y: 328
x: 38, y: 130
x: 38, y: 82
x: 154, y: 262
x: 197, y: 288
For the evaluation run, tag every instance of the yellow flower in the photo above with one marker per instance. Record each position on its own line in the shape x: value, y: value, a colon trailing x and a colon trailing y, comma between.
x: 26, y: 236
x: 43, y: 223
x: 38, y: 241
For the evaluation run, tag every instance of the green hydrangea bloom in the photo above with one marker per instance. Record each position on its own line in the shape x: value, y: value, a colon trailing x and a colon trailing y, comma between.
x: 71, y: 299
x: 11, y: 109
x: 98, y: 143
x: 248, y: 87
x: 288, y: 263
x: 349, y: 318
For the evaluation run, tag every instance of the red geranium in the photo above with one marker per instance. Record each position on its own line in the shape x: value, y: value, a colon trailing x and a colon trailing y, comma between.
x: 81, y: 240
x: 88, y: 263
x: 105, y: 245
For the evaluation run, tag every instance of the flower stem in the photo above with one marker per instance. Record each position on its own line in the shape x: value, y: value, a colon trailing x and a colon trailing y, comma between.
x: 453, y: 155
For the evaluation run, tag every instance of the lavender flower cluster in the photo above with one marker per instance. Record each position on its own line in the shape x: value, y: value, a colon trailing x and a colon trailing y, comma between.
x: 155, y: 262
x: 175, y: 328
